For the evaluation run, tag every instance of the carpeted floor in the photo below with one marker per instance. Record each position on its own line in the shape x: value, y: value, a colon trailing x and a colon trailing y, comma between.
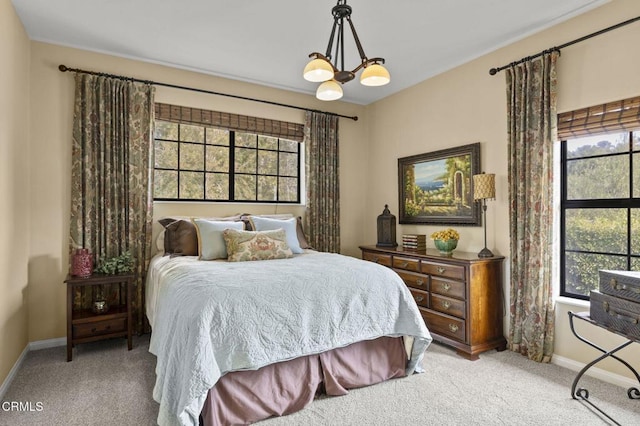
x: 107, y: 385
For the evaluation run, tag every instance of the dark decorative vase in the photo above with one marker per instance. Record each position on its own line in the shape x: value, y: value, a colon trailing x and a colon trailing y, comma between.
x: 82, y: 263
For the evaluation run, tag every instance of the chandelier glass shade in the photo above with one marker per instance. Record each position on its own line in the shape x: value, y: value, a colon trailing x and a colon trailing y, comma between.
x: 332, y: 75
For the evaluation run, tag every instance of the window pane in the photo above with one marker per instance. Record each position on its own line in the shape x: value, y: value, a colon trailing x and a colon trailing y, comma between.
x: 598, y: 145
x: 246, y: 139
x: 636, y: 141
x: 217, y: 186
x: 288, y: 189
x: 595, y: 178
x: 635, y: 264
x: 217, y: 136
x: 189, y: 133
x: 267, y: 162
x: 191, y: 156
x: 245, y: 187
x: 165, y: 184
x: 245, y: 160
x: 597, y: 230
x: 635, y: 231
x: 192, y: 185
x: 267, y: 186
x: 166, y: 155
x: 165, y: 130
x: 288, y: 164
x: 290, y: 146
x: 266, y: 142
x: 217, y: 159
x: 581, y: 270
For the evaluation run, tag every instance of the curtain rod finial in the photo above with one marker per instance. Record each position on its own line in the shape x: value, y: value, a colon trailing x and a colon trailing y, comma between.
x: 493, y: 71
x: 63, y: 68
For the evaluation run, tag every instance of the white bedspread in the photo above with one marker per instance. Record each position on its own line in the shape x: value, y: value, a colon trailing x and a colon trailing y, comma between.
x: 210, y: 318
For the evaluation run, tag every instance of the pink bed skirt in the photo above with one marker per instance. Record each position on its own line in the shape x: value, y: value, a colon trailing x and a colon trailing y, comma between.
x: 245, y: 397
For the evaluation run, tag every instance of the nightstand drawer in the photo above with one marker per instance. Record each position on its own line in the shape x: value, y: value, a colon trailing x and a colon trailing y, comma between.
x: 382, y: 259
x: 99, y: 328
x: 444, y: 325
x: 447, y: 287
x: 440, y: 269
x: 406, y: 263
x: 412, y: 279
x: 421, y: 297
x: 448, y: 305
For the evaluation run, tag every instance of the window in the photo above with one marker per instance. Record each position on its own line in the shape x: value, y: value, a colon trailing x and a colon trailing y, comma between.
x: 600, y: 208
x: 196, y: 162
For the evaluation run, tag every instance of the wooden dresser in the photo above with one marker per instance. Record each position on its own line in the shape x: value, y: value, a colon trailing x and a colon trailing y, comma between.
x: 460, y: 297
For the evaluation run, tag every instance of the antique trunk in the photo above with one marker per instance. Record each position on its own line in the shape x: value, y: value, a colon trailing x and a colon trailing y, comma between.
x: 622, y: 284
x: 616, y: 313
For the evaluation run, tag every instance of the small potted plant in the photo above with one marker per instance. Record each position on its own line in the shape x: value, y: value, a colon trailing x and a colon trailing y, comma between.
x: 446, y: 240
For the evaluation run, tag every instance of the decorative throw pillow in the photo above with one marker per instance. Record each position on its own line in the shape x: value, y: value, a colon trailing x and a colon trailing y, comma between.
x: 256, y: 245
x: 211, y: 244
x: 289, y: 225
x: 246, y: 218
x: 180, y: 237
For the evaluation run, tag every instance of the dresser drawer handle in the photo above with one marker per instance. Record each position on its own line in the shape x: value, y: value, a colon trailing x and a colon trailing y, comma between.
x: 613, y: 313
x: 446, y: 287
x: 441, y: 270
x: 621, y: 287
x: 454, y: 328
x: 419, y: 281
x: 376, y: 259
x: 419, y: 298
x: 404, y: 264
x: 446, y: 304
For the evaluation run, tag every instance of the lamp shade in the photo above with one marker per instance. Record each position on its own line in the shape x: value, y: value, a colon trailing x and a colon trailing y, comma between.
x: 318, y: 70
x: 329, y: 91
x: 484, y: 186
x: 375, y: 75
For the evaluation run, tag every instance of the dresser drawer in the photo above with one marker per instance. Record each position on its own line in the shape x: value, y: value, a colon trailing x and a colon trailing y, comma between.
x: 444, y: 325
x: 412, y: 279
x: 447, y: 287
x: 421, y: 297
x: 383, y: 259
x: 450, y: 271
x: 448, y: 305
x: 406, y: 263
x: 99, y: 328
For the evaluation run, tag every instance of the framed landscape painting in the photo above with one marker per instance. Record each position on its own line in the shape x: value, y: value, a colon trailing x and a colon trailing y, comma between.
x: 437, y: 187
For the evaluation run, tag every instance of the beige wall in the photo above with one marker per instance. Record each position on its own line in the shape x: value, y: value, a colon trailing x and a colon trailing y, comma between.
x: 52, y: 103
x: 14, y: 186
x: 468, y: 105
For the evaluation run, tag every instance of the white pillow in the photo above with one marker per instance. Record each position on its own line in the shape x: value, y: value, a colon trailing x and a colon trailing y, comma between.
x: 211, y: 243
x: 289, y: 226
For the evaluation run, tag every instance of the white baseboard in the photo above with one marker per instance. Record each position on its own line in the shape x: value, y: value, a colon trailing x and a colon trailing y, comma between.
x: 31, y: 346
x: 12, y: 373
x: 598, y: 373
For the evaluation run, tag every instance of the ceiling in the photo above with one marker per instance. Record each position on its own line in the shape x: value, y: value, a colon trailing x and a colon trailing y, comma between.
x: 268, y: 42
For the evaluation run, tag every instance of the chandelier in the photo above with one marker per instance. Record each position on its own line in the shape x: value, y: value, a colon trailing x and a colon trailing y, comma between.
x: 322, y: 69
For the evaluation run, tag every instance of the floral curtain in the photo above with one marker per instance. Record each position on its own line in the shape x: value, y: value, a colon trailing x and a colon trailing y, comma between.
x: 111, y: 201
x: 323, y: 186
x: 531, y: 93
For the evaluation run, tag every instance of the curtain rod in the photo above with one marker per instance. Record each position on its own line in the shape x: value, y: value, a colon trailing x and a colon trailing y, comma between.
x: 494, y: 71
x: 64, y: 68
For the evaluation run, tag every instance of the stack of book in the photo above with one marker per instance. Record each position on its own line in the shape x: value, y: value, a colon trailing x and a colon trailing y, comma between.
x: 414, y: 241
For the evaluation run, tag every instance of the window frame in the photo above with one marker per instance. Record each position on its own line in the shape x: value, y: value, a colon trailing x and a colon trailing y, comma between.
x: 630, y: 203
x: 231, y: 172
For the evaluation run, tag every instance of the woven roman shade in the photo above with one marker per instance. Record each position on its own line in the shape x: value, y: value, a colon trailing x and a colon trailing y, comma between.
x: 606, y: 118
x: 225, y: 120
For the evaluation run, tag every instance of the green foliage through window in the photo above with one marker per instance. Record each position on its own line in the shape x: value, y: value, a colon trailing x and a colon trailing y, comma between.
x: 600, y: 209
x: 199, y: 163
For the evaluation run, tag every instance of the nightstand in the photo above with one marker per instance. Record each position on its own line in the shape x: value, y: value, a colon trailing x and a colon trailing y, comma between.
x: 83, y: 325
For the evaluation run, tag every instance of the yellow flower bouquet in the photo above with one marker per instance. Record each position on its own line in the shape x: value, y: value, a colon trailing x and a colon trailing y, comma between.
x: 446, y: 240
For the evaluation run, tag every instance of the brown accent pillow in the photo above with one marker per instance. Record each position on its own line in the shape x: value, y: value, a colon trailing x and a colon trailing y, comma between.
x: 180, y: 237
x: 302, y: 239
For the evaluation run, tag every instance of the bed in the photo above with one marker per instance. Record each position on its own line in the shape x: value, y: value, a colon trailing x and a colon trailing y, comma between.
x: 260, y: 338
